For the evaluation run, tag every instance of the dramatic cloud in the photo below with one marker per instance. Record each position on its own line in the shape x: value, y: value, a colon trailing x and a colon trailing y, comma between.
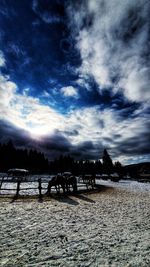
x: 113, y: 40
x: 109, y: 129
x: 75, y: 77
x: 83, y: 133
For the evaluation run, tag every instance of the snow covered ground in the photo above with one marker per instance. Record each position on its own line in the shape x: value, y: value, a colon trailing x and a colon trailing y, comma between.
x: 107, y: 227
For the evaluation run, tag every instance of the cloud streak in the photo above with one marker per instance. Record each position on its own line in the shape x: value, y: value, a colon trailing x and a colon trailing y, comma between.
x: 113, y: 40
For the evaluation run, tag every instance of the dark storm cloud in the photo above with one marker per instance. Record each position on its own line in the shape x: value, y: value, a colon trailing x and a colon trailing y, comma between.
x: 137, y: 145
x: 56, y: 142
x: 86, y: 146
x: 19, y: 137
x: 87, y: 150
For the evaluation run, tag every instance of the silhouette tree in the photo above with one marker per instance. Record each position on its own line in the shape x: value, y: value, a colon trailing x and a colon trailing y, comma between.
x: 107, y: 163
x: 118, y: 168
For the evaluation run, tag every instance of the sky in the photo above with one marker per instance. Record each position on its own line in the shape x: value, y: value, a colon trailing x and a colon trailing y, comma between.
x: 75, y: 77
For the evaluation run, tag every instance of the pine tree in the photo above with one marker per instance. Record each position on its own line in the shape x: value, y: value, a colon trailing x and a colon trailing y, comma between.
x: 107, y: 163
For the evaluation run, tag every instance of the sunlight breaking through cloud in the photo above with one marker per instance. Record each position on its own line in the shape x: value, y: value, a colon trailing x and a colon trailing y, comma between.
x: 88, y: 129
x: 26, y: 112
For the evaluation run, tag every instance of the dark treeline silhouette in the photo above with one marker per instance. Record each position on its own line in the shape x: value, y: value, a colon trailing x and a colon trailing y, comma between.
x: 67, y: 163
x: 11, y: 157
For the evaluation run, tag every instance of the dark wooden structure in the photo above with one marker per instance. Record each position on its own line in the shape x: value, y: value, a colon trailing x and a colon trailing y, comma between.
x: 60, y: 183
x: 19, y: 176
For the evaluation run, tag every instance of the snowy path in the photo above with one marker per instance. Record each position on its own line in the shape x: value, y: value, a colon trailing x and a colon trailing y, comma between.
x: 106, y: 228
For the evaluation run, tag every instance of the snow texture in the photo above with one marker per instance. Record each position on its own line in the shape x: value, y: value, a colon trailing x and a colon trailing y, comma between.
x: 109, y: 226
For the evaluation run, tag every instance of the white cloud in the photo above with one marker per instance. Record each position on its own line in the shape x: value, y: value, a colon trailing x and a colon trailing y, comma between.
x: 69, y: 91
x: 7, y: 90
x: 113, y: 46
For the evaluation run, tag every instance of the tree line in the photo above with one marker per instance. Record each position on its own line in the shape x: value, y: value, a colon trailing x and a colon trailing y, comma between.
x: 11, y: 157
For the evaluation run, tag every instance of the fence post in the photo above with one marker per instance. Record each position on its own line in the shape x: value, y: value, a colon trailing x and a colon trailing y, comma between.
x: 18, y: 188
x: 40, y: 188
x: 49, y: 188
x: 2, y: 182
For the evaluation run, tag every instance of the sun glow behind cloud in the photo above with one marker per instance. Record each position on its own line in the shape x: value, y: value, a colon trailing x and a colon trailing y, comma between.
x: 26, y: 112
